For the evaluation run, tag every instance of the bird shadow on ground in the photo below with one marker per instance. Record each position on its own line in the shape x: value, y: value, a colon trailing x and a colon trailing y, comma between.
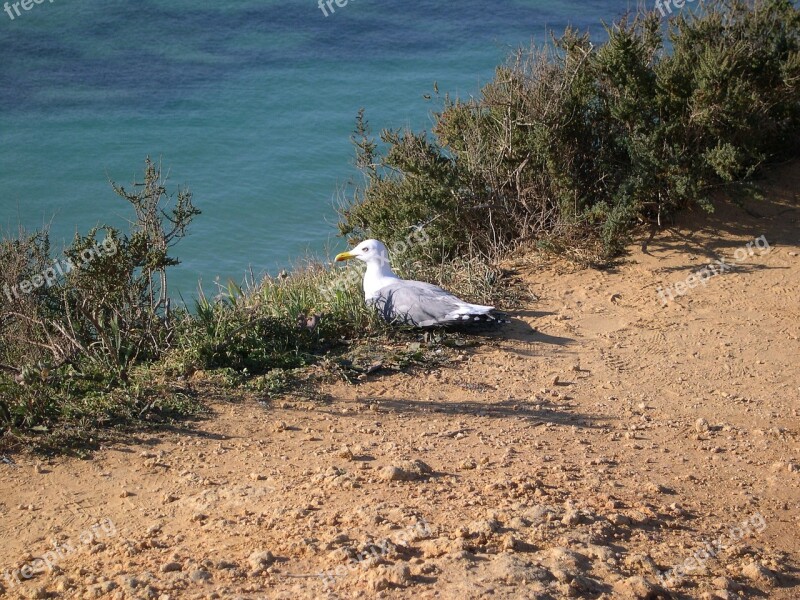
x: 520, y: 331
x: 154, y: 437
x: 540, y: 413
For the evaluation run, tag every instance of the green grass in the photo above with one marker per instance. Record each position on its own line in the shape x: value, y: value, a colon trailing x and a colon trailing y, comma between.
x: 256, y: 340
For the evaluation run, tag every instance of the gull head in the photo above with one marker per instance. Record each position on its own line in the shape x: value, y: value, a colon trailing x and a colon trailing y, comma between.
x: 372, y: 252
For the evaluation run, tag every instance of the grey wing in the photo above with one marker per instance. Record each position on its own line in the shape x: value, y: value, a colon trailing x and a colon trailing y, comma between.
x: 422, y: 305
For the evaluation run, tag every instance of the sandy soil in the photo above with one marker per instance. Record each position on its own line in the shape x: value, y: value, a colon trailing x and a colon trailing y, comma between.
x: 590, y: 450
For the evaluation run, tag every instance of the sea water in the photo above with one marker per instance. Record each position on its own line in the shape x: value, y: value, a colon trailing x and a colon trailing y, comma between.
x: 251, y: 104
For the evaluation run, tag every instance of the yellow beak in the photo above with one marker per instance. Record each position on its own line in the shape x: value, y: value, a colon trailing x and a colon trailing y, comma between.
x: 344, y: 256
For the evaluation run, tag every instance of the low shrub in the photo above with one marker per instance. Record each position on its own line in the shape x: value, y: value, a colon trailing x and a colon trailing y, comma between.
x: 575, y: 143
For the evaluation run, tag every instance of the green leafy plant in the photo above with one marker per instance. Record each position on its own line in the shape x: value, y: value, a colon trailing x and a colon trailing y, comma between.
x: 573, y: 144
x: 92, y: 315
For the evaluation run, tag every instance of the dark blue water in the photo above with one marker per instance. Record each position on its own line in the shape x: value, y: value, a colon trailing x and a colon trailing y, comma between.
x: 250, y: 104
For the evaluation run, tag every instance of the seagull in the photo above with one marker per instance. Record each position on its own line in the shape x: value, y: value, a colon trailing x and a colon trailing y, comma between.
x: 416, y: 303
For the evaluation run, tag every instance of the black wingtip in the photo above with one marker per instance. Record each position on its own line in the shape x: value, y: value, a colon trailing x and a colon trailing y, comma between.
x: 492, y: 319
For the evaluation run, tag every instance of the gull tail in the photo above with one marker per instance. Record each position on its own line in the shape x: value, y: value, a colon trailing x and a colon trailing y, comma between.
x: 476, y: 313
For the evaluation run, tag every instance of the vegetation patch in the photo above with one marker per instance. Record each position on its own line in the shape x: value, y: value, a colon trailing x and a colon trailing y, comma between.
x: 574, y: 144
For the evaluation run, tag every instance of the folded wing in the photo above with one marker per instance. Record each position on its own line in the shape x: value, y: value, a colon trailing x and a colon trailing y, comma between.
x: 425, y: 305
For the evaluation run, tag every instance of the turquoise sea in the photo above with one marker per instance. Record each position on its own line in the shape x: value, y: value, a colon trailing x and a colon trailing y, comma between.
x: 250, y: 104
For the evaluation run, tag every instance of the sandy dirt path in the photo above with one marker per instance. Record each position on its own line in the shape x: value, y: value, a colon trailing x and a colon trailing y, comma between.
x: 604, y: 445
